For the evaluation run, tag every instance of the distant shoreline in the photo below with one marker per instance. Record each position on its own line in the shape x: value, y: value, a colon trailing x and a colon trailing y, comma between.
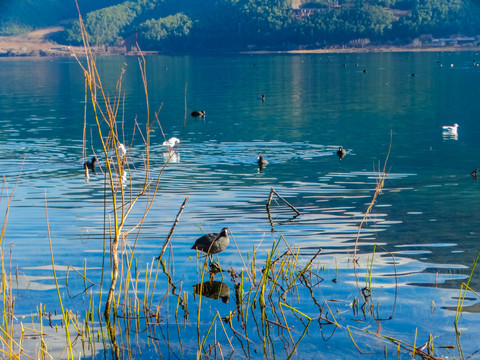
x: 55, y: 50
x: 373, y: 49
x: 36, y: 44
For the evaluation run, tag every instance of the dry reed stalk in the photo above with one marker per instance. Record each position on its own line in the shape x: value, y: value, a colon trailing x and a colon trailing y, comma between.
x: 382, y: 175
x: 105, y: 114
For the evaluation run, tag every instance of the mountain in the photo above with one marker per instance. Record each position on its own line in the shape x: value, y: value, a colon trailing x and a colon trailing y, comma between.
x: 196, y: 25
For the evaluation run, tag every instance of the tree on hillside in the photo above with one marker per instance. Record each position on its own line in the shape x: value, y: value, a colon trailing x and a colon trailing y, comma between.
x: 154, y: 33
x: 437, y: 17
x: 237, y: 24
x: 105, y: 26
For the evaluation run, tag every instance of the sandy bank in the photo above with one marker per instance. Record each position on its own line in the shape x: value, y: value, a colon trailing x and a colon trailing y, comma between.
x: 36, y: 43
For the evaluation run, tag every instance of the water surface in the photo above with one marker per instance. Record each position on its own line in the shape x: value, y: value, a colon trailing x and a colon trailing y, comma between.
x: 425, y: 215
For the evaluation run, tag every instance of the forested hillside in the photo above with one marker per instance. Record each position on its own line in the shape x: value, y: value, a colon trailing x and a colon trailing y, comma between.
x: 260, y: 24
x: 17, y: 16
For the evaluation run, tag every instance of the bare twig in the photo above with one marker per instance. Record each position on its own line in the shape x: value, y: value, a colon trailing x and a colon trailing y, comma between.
x: 165, y: 244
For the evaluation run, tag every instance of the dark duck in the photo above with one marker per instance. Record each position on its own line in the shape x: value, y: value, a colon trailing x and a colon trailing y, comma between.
x: 261, y: 162
x: 90, y: 165
x: 341, y: 152
x: 198, y: 113
x: 212, y: 243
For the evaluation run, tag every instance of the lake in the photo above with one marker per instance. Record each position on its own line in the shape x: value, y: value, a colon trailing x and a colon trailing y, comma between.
x: 424, y: 222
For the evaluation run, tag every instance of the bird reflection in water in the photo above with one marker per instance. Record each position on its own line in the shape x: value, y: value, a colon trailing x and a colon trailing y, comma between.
x: 450, y: 136
x: 213, y: 290
x: 173, y: 157
x: 124, y: 178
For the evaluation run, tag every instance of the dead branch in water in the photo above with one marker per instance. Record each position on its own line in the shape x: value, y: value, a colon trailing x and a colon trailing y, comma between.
x: 272, y: 191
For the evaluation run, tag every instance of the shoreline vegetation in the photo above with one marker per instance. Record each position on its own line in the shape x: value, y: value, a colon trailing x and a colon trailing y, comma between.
x: 38, y: 44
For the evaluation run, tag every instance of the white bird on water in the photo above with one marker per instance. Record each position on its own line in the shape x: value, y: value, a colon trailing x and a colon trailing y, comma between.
x: 450, y: 130
x: 171, y: 143
x: 122, y: 151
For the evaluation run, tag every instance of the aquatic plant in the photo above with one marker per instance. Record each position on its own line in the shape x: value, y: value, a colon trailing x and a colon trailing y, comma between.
x: 117, y: 173
x: 8, y: 300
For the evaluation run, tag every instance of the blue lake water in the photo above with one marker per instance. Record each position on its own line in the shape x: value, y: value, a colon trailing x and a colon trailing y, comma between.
x: 426, y: 215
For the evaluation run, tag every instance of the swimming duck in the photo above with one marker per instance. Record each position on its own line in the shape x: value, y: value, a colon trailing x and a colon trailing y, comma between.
x: 90, y: 165
x: 198, y: 113
x: 261, y: 162
x: 341, y: 152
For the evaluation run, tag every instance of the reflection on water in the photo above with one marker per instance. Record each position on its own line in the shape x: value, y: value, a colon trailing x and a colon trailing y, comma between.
x: 450, y: 136
x: 171, y: 156
x: 424, y: 215
x: 213, y: 290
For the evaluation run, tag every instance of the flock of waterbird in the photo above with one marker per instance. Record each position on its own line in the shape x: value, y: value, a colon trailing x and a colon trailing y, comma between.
x: 215, y: 243
x: 212, y: 243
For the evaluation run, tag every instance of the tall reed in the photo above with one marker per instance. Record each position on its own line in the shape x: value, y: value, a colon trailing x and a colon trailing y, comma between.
x: 8, y: 300
x: 116, y: 164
